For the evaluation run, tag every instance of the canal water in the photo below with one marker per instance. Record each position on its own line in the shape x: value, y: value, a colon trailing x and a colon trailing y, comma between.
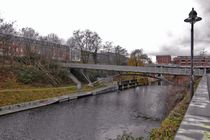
x: 99, y: 117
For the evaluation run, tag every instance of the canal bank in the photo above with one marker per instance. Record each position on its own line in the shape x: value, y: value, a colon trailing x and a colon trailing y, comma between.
x: 92, y: 118
x: 4, y: 110
x: 196, y: 122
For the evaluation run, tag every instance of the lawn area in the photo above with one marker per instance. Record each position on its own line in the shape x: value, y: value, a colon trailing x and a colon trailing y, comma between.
x: 14, y: 96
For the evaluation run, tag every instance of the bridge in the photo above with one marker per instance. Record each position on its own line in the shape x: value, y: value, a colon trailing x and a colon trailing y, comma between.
x: 22, y: 46
x: 141, y: 69
x: 196, y: 122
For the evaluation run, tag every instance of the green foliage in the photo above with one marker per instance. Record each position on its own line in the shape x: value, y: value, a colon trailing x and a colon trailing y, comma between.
x: 63, y: 75
x: 171, y: 124
x: 37, y: 71
x: 29, y: 75
x: 59, y: 73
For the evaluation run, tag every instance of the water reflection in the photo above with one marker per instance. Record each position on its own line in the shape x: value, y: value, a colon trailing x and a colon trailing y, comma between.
x: 93, y: 118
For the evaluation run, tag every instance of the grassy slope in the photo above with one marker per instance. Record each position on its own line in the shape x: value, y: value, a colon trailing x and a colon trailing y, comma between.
x: 12, y: 96
x: 171, y: 123
x: 13, y: 92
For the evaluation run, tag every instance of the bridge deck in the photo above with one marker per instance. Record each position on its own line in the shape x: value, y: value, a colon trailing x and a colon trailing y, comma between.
x: 151, y: 70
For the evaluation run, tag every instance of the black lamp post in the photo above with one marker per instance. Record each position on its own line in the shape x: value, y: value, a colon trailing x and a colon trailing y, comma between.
x: 192, y: 19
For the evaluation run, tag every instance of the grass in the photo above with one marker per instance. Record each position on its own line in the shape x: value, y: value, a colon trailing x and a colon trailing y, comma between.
x: 13, y: 91
x: 170, y: 124
x: 14, y: 96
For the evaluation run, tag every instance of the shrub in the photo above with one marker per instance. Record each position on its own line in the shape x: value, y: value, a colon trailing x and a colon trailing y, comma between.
x: 62, y: 74
x: 29, y: 75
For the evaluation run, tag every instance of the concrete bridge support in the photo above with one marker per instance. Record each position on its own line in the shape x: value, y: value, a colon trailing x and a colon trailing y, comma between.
x: 75, y: 80
x: 161, y: 77
x: 86, y: 77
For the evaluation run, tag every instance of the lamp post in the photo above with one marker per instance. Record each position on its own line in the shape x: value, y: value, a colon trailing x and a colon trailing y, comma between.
x: 192, y: 19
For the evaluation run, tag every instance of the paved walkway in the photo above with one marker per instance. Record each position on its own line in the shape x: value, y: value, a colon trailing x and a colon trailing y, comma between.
x: 196, y: 123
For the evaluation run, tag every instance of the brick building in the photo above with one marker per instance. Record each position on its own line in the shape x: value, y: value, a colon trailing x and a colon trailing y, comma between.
x: 198, y: 60
x: 163, y: 59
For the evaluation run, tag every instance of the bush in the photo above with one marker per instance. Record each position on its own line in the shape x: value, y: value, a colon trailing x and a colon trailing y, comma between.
x: 62, y: 74
x: 29, y: 75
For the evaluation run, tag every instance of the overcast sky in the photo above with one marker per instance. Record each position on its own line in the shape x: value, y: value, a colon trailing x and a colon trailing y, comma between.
x: 156, y: 26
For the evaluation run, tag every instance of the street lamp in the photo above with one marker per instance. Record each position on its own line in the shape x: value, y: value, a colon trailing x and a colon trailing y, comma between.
x: 192, y: 19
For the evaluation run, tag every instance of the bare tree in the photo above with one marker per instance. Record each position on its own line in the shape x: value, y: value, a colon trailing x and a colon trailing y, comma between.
x: 7, y: 28
x: 52, y: 38
x: 203, y: 52
x: 6, y: 49
x: 70, y: 42
x: 79, y: 43
x: 120, y: 53
x: 29, y: 48
x: 107, y: 48
x: 87, y: 42
x: 29, y: 33
x: 96, y: 45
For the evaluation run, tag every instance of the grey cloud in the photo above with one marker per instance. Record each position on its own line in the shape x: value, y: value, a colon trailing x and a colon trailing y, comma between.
x: 180, y: 50
x: 170, y: 34
x: 204, y: 5
x: 171, y: 50
x: 205, y: 8
x: 181, y: 45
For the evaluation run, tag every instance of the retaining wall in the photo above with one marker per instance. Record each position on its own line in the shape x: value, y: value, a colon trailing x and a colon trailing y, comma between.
x: 196, y: 122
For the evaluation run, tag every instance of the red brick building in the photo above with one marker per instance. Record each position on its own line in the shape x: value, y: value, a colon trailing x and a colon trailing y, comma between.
x: 163, y: 59
x: 198, y: 60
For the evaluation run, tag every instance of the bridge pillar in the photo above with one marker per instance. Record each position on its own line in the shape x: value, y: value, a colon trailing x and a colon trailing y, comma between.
x: 86, y: 77
x: 160, y: 76
x: 75, y: 80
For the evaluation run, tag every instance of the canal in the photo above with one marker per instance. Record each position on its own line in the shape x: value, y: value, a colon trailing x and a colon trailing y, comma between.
x: 99, y: 117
